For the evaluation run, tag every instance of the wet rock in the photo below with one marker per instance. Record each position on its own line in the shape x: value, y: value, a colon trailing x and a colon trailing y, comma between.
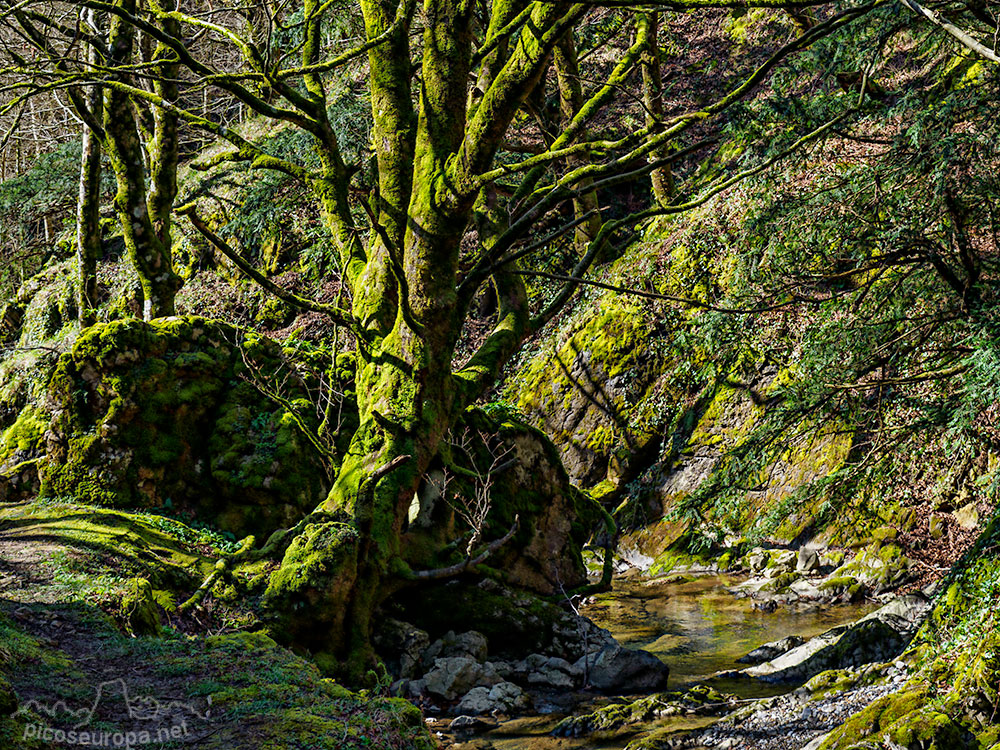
x: 470, y: 723
x: 504, y: 697
x: 457, y: 675
x: 877, y: 637
x: 772, y: 650
x: 700, y: 700
x: 622, y: 670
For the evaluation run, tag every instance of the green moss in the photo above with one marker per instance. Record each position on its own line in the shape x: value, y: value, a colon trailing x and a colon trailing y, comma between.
x: 161, y: 415
x: 26, y: 434
x: 699, y: 700
x: 165, y: 551
x: 316, y: 575
x: 138, y: 608
x: 874, y: 719
x: 838, y: 583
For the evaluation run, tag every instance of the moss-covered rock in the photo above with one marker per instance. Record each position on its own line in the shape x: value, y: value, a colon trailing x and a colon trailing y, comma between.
x: 162, y: 415
x: 309, y: 594
x: 512, y: 471
x: 138, y: 608
x: 700, y: 700
x: 597, y: 390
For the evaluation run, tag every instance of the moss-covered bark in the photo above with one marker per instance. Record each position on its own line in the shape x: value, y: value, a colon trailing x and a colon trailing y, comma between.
x: 88, y: 216
x: 144, y: 215
x: 571, y: 101
x: 648, y: 34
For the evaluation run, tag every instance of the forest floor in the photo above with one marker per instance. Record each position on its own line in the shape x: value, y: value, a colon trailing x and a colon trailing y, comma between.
x: 81, y: 677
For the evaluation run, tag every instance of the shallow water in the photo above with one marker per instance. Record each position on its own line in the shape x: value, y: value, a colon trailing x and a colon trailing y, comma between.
x: 696, y: 627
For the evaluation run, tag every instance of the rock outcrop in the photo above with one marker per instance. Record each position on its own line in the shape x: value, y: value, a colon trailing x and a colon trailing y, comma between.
x: 877, y: 637
x: 163, y: 415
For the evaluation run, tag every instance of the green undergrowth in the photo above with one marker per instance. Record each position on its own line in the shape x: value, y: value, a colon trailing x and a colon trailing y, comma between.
x: 952, y: 699
x: 231, y: 690
x: 86, y: 546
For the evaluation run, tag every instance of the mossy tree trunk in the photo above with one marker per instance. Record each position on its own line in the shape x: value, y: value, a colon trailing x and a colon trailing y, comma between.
x: 88, y: 217
x: 652, y: 98
x: 144, y: 215
x: 571, y: 101
x: 407, y: 294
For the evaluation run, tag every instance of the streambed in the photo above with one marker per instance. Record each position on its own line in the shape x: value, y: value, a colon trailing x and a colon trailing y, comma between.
x: 697, y: 628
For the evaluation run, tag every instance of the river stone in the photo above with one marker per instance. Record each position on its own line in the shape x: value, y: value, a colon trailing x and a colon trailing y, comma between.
x: 782, y: 561
x: 501, y: 698
x: 773, y: 650
x: 757, y: 559
x: 808, y: 561
x: 617, y: 669
x: 549, y: 672
x: 456, y: 675
x: 470, y: 724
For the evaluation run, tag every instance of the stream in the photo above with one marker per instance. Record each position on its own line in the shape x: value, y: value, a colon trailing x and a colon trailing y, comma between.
x: 697, y: 628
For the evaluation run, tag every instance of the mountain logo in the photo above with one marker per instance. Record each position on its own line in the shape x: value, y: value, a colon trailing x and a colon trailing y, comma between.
x: 143, y: 719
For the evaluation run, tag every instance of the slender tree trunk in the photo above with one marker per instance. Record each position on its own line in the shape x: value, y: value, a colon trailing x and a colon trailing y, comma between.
x: 88, y: 217
x: 570, y: 102
x: 88, y: 226
x: 652, y: 99
x: 163, y: 149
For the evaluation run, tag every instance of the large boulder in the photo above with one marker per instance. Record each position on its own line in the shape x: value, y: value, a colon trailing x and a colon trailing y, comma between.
x: 164, y: 415
x: 879, y: 636
x: 615, y: 669
x: 504, y: 697
x: 457, y: 675
x: 512, y: 472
